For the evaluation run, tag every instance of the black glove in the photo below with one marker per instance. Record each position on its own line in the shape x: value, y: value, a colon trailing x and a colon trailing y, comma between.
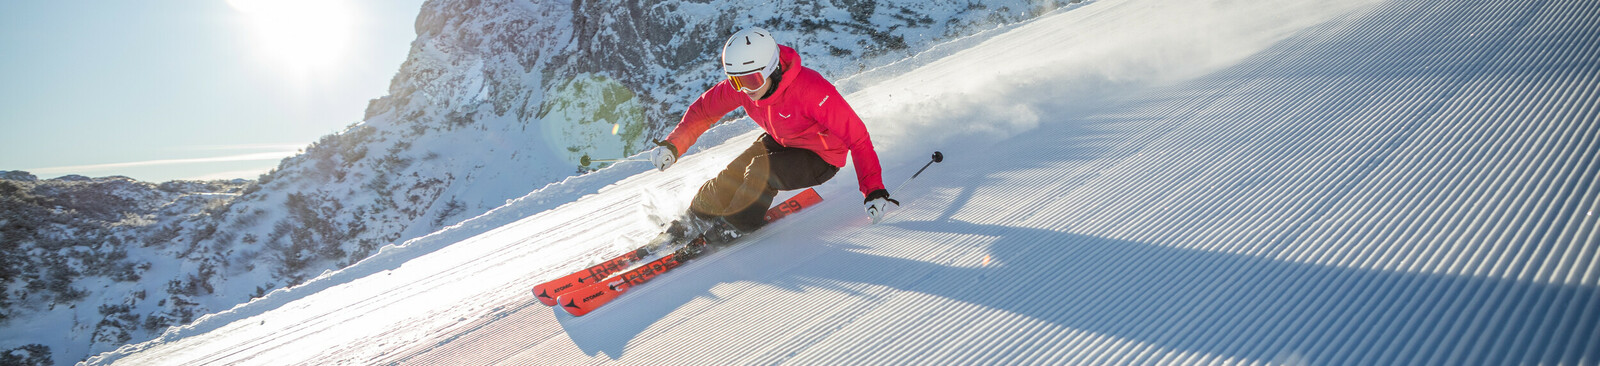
x: 880, y: 193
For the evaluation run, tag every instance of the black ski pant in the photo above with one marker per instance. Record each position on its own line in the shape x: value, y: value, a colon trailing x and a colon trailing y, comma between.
x: 743, y: 191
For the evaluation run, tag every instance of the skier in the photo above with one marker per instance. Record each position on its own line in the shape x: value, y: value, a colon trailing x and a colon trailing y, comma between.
x: 809, y: 131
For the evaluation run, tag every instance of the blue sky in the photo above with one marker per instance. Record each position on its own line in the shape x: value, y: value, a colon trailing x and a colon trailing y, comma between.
x: 188, y: 89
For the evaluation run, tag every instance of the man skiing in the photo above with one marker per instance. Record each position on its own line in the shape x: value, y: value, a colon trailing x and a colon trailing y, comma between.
x: 810, y: 129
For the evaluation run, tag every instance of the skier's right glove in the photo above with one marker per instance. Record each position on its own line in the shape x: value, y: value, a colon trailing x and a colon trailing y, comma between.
x: 663, y: 156
x: 878, y: 203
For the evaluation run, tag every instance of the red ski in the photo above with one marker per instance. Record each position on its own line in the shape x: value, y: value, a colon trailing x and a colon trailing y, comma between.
x: 549, y: 292
x: 586, y: 299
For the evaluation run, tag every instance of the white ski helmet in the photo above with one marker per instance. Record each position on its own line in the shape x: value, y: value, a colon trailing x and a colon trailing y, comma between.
x: 749, y: 58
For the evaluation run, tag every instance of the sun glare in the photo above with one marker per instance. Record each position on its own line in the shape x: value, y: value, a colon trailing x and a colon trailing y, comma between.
x: 302, y: 36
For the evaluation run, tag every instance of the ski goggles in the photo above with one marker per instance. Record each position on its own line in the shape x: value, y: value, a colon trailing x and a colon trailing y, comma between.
x: 748, y: 82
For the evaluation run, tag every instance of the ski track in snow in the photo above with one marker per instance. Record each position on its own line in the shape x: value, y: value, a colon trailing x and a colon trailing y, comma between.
x: 1300, y: 183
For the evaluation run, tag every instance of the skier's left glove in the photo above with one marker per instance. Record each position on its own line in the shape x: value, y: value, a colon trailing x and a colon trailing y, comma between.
x: 663, y: 156
x: 878, y: 203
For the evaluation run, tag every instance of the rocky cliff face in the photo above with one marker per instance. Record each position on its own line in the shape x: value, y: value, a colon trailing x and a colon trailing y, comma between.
x: 497, y: 98
x: 520, y: 59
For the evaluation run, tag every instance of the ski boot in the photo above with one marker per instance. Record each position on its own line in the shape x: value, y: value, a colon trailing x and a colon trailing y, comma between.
x: 714, y: 230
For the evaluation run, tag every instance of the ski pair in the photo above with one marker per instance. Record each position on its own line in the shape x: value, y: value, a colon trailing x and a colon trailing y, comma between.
x: 589, y: 281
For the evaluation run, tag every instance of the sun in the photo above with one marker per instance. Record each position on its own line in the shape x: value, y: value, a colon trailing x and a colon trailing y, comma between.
x: 304, y: 37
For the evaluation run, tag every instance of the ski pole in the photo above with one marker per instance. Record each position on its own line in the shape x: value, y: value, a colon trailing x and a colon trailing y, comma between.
x: 585, y: 160
x: 937, y: 157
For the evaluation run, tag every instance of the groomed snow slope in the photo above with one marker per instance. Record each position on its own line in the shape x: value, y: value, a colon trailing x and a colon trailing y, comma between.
x: 1296, y: 182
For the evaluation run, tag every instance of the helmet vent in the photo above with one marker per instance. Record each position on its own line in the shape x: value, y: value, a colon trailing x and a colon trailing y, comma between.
x: 758, y: 53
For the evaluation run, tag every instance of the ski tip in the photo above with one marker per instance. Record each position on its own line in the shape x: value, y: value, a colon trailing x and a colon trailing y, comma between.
x: 544, y: 296
x: 574, y: 309
x: 548, y: 292
x: 587, y: 299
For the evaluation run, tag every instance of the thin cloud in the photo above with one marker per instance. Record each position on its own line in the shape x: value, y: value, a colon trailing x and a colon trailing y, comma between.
x: 238, y: 147
x: 246, y: 174
x: 275, y: 155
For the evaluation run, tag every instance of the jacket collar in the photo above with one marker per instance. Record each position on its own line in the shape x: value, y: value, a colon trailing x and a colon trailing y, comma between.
x: 789, y: 61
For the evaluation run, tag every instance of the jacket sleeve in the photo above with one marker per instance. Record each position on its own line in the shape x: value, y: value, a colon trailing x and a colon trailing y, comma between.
x: 842, y: 122
x: 706, y: 110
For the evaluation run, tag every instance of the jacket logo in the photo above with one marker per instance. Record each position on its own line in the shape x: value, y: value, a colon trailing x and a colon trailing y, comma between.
x: 824, y: 100
x: 780, y: 114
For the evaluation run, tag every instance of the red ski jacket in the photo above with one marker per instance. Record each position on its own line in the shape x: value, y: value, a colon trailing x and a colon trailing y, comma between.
x: 805, y: 112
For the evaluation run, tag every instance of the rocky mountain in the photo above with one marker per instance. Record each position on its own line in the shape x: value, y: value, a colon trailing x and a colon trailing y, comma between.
x: 496, y: 99
x: 54, y: 231
x: 64, y: 240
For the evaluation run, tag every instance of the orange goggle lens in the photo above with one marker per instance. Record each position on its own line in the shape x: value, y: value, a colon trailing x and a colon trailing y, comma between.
x: 748, y: 82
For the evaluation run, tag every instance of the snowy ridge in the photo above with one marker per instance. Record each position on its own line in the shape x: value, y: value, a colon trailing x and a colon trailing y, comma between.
x: 1282, y: 182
